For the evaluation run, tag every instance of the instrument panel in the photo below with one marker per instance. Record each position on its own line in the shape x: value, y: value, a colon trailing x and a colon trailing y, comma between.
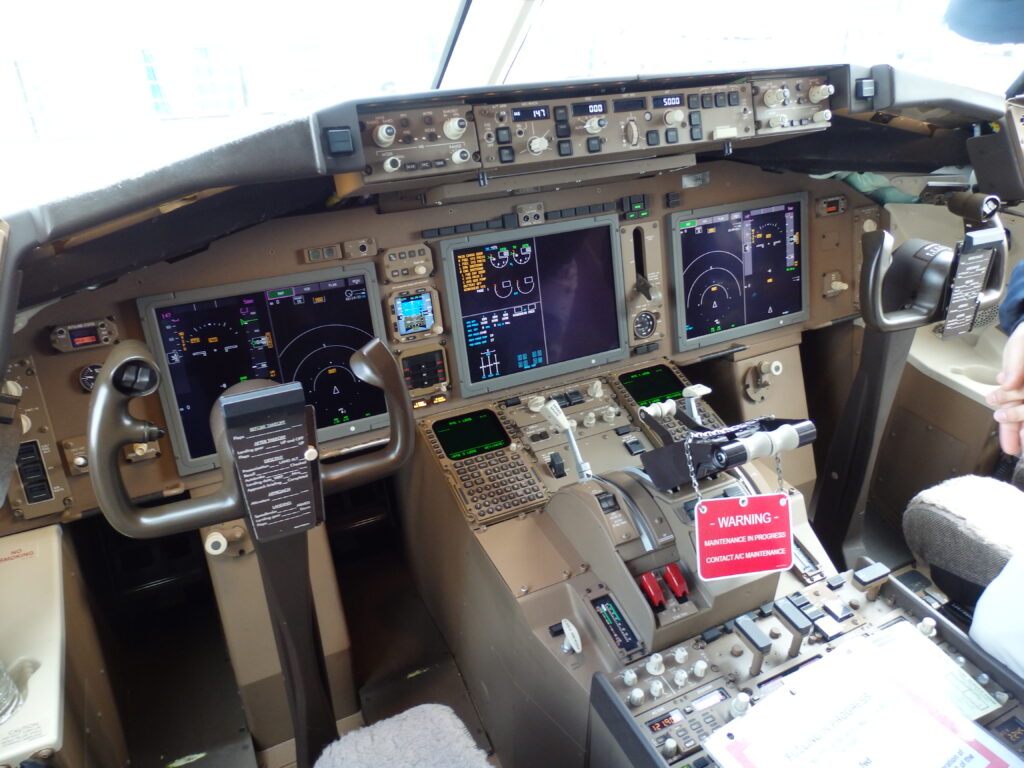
x: 484, y: 298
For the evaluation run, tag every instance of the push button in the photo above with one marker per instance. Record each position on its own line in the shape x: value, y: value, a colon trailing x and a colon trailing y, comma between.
x: 506, y: 154
x: 504, y: 135
x: 594, y: 144
x: 564, y: 148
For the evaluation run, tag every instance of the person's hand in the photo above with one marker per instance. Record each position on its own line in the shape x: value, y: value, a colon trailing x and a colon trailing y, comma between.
x: 1009, y: 397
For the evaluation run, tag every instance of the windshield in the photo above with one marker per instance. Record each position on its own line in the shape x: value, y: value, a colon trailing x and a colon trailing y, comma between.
x: 672, y: 36
x: 150, y: 83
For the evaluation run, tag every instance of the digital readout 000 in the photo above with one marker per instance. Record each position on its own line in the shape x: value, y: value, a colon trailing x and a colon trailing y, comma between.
x: 525, y: 114
x: 586, y: 108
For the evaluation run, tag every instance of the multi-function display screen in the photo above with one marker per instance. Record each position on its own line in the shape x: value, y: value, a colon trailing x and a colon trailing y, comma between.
x: 530, y: 307
x: 739, y: 269
x: 652, y: 385
x: 285, y: 330
x: 470, y: 434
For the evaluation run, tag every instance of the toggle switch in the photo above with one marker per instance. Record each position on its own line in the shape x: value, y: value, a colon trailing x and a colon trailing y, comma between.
x: 557, y: 465
x: 794, y: 620
x: 755, y: 639
x: 651, y: 587
x: 673, y: 576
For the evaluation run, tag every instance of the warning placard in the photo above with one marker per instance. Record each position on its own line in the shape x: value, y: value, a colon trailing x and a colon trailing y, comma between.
x: 743, y: 534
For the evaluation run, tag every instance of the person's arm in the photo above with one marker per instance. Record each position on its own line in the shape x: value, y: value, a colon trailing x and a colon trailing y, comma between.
x: 1011, y: 311
x: 1008, y: 399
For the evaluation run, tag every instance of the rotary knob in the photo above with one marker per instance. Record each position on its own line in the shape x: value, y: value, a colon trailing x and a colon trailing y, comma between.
x: 636, y: 697
x: 669, y: 747
x: 655, y: 665
x: 454, y: 127
x: 12, y: 388
x: 595, y: 125
x: 823, y: 116
x: 460, y: 156
x: 700, y: 669
x: 740, y: 704
x: 392, y: 164
x: 589, y: 419
x: 776, y: 121
x: 535, y: 403
x: 596, y: 389
x: 680, y: 678
x: 608, y: 416
x: 820, y: 92
x: 384, y: 135
x: 674, y: 117
x: 775, y: 97
x: 629, y: 677
x: 680, y: 655
x: 631, y: 132
x: 537, y: 144
x: 656, y: 688
x: 216, y: 543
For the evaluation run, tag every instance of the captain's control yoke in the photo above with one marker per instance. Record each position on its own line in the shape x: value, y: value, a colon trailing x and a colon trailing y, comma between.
x: 249, y: 417
x: 918, y: 284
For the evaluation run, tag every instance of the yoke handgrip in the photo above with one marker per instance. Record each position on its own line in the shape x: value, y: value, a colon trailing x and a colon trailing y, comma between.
x: 375, y: 365
x: 111, y: 426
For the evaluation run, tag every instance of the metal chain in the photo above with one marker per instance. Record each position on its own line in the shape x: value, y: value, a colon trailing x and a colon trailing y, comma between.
x: 712, y: 434
x: 689, y: 464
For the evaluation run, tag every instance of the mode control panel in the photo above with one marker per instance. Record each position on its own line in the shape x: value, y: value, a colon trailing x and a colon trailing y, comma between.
x: 785, y: 105
x: 424, y: 141
x: 531, y: 132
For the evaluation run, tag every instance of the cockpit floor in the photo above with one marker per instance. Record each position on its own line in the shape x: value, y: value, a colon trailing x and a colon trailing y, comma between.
x: 400, y: 658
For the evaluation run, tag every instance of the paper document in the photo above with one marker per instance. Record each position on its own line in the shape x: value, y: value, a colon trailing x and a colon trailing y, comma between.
x: 881, y: 702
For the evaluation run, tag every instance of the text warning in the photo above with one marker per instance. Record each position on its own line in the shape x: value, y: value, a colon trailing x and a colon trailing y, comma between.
x: 742, y: 535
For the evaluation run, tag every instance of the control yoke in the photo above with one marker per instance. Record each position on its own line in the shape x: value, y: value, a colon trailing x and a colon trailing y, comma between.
x: 131, y: 372
x: 928, y: 273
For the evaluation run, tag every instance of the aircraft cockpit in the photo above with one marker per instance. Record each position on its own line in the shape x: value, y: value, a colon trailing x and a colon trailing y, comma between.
x: 588, y: 407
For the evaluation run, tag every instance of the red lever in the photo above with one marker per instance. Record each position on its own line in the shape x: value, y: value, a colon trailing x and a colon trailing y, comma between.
x: 676, y: 581
x: 652, y: 589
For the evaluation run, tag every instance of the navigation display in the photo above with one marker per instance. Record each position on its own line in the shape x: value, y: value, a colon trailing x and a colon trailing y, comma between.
x: 545, y: 302
x: 304, y: 328
x: 739, y: 269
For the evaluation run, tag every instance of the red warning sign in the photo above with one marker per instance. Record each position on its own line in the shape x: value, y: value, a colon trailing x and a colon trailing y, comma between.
x: 743, y: 534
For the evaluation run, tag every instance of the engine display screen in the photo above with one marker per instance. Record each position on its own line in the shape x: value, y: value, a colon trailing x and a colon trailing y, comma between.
x: 415, y: 313
x: 302, y: 329
x: 470, y: 434
x: 739, y: 269
x: 544, y: 303
x: 652, y: 385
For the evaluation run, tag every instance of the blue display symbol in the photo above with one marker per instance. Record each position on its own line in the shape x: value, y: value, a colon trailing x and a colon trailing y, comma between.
x: 527, y: 360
